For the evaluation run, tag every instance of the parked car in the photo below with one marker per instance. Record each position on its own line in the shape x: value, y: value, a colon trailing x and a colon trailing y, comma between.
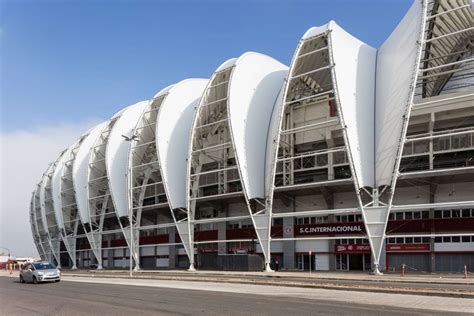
x: 39, y: 272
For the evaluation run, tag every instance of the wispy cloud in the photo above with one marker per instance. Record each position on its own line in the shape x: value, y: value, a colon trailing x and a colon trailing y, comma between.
x: 24, y: 156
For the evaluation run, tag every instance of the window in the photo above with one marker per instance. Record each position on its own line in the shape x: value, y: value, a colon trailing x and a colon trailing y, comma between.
x: 425, y: 214
x: 456, y: 213
x: 455, y: 239
x: 447, y: 239
x: 409, y: 240
x: 466, y: 213
x: 233, y: 225
x: 417, y: 240
x: 391, y: 240
x: 43, y: 266
x: 391, y: 216
x: 416, y: 215
x: 438, y: 239
x: 247, y: 224
x: 399, y: 216
x: 399, y: 240
x: 278, y: 221
x: 466, y: 239
x: 446, y: 213
x: 425, y: 240
x: 408, y: 215
x: 437, y: 214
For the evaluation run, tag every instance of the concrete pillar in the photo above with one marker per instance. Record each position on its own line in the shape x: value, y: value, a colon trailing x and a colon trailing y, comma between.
x: 110, y: 258
x: 221, y: 235
x: 332, y: 243
x: 433, y: 188
x: 288, y: 245
x: 383, y: 259
x: 173, y: 256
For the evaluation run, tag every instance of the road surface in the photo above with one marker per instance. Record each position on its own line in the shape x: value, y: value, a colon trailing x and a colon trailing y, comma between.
x: 103, y: 298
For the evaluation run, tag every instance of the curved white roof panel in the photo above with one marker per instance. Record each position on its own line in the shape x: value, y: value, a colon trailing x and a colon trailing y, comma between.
x: 272, y: 144
x: 316, y: 31
x: 80, y: 169
x: 354, y: 78
x: 173, y: 133
x: 253, y: 89
x: 228, y: 63
x: 117, y: 153
x: 56, y: 186
x: 42, y: 197
x: 163, y: 91
x: 397, y: 63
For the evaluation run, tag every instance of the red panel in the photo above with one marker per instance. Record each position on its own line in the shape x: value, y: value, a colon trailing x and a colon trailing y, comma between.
x: 241, y: 233
x: 118, y: 243
x: 157, y: 239
x: 408, y: 248
x: 332, y: 108
x: 409, y: 226
x: 437, y: 225
x: 356, y: 248
x: 205, y: 235
x: 277, y: 231
x: 330, y: 229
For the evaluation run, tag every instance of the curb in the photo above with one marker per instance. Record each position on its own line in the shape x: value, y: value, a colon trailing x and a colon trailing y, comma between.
x: 270, y: 276
x: 362, y: 288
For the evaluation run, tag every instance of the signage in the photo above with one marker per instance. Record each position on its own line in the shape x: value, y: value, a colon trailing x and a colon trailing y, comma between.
x: 351, y: 228
x: 288, y: 230
x: 355, y: 248
x: 407, y: 247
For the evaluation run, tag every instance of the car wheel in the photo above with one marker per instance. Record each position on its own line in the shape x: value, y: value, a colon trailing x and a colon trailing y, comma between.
x: 35, y: 281
x: 21, y: 279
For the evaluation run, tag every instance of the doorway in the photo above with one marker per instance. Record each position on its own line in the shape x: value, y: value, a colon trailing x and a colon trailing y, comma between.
x: 353, y: 262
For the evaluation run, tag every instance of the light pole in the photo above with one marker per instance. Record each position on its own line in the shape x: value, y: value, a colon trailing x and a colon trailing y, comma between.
x: 130, y: 211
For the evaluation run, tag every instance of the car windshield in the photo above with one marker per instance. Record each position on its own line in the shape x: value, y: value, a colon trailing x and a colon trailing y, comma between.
x: 43, y: 266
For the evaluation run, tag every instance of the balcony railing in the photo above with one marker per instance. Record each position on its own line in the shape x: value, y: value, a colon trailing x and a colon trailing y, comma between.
x: 461, y: 139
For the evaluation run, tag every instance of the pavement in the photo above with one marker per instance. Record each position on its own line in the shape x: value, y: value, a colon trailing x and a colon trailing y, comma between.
x: 435, y: 278
x: 121, y: 296
x: 431, y: 285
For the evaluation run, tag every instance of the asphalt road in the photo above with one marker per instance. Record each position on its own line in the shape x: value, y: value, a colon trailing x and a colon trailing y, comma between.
x: 74, y: 298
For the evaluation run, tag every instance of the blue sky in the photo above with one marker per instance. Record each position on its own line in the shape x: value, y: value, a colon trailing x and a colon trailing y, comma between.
x: 65, y: 65
x: 64, y: 61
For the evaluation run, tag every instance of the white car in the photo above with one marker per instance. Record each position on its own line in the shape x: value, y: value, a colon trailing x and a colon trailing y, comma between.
x: 39, y: 272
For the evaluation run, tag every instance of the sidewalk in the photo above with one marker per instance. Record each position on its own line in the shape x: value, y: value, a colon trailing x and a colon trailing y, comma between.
x: 319, y: 275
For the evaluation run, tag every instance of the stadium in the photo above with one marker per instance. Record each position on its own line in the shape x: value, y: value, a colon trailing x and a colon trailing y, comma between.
x: 350, y: 158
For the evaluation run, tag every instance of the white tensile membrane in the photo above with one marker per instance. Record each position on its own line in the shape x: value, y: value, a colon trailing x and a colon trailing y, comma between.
x: 47, y: 208
x: 252, y: 82
x: 397, y: 63
x: 56, y: 188
x: 253, y: 93
x: 80, y: 179
x: 117, y: 162
x: 80, y: 168
x: 352, y: 66
x: 173, y: 131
